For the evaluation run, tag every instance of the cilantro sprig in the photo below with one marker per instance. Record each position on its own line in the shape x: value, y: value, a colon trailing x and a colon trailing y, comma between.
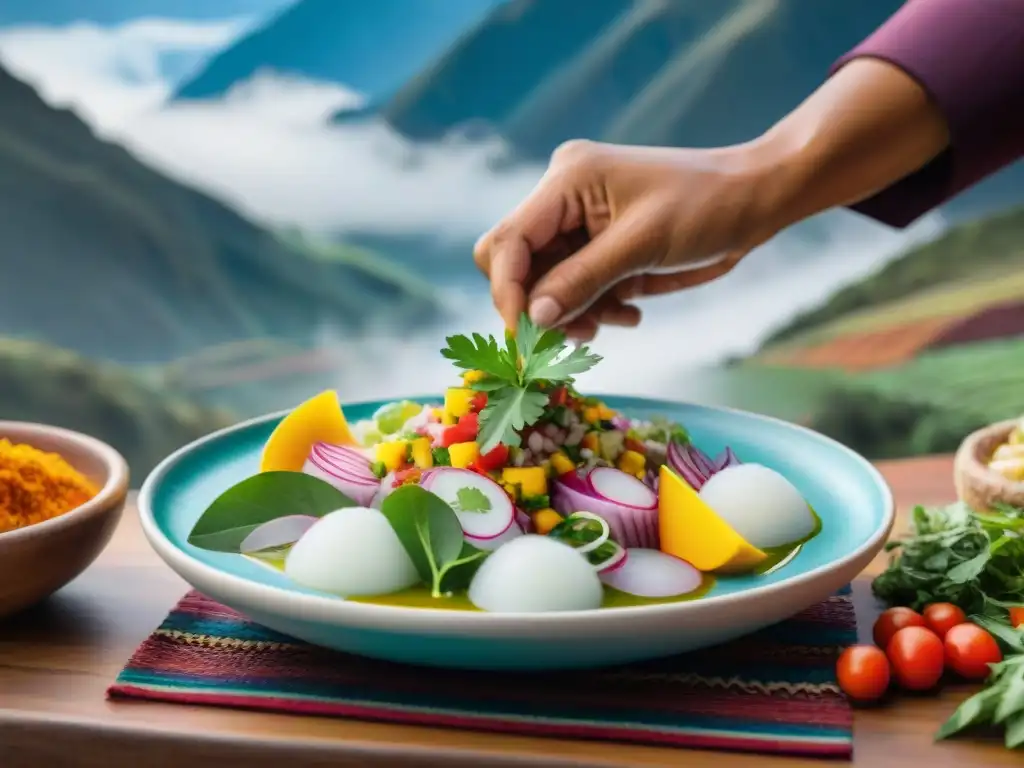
x: 515, y: 374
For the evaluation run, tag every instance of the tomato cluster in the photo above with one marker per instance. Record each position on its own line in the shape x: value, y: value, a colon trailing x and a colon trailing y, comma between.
x: 914, y: 650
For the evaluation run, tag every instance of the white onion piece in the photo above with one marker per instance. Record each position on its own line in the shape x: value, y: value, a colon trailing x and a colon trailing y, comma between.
x: 616, y: 486
x: 276, y: 534
x: 447, y: 482
x: 652, y: 573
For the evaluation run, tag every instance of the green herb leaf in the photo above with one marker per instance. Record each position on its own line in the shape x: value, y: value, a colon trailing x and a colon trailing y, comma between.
x: 259, y: 499
x: 430, y: 532
x: 472, y: 500
x: 508, y: 411
x: 481, y: 354
x: 977, y: 710
x: 557, y: 365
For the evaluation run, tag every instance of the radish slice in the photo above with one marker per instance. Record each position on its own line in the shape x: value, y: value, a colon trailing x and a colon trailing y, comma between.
x: 652, y: 573
x: 602, y: 537
x: 482, y: 506
x: 276, y: 534
x: 488, y: 545
x: 630, y: 526
x: 589, y: 534
x: 618, y: 487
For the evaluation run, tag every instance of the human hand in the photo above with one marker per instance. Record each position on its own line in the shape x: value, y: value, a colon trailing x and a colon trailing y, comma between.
x: 608, y: 224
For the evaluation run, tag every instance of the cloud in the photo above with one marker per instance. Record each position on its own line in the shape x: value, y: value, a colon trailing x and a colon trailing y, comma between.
x: 266, y: 148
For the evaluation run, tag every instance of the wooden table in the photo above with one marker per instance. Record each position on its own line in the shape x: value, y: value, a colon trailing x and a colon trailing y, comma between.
x: 57, y: 660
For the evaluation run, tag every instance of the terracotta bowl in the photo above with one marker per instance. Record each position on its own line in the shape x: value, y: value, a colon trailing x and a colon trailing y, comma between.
x: 37, y: 560
x: 977, y: 485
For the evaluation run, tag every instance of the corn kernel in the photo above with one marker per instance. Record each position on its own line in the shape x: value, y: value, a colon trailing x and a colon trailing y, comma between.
x: 562, y: 463
x: 545, y: 519
x: 463, y: 454
x: 532, y: 481
x: 392, y: 454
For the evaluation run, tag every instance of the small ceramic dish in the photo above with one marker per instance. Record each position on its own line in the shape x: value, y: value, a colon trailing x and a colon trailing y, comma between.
x: 39, y: 559
x: 978, y: 486
x: 849, y: 495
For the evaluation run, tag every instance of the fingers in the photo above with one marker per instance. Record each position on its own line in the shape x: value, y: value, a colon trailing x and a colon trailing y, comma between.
x: 571, y: 286
x: 661, y: 283
x: 504, y: 254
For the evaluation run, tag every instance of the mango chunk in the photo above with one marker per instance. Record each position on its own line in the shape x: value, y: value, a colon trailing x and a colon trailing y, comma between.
x: 422, y: 456
x: 392, y: 454
x: 319, y: 419
x: 532, y: 481
x: 463, y: 454
x: 457, y: 401
x: 691, y: 530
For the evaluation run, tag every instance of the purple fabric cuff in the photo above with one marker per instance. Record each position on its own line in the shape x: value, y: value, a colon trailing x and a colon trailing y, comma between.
x: 969, y: 56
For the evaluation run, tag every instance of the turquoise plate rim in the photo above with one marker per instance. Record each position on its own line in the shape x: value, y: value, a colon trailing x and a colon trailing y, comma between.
x: 337, y: 610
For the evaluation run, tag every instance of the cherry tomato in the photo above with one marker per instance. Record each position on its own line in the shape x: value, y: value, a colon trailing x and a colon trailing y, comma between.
x: 479, y: 402
x: 493, y: 459
x: 893, y: 620
x: 863, y: 672
x: 916, y: 655
x: 1017, y: 617
x: 969, y: 651
x: 942, y: 617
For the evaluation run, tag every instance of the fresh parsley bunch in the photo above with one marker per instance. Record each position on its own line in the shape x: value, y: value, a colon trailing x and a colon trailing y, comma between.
x: 515, y: 374
x: 956, y: 555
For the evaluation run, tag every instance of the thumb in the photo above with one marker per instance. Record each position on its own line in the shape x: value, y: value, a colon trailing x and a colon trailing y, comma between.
x: 573, y: 285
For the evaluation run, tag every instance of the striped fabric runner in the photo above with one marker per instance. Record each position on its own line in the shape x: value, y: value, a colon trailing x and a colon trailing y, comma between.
x: 773, y: 692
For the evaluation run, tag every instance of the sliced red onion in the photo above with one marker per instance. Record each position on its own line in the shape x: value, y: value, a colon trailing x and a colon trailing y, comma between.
x: 630, y: 525
x: 347, y: 470
x: 652, y: 573
x: 276, y: 534
x: 621, y: 423
x: 694, y: 466
x: 726, y: 459
x: 614, y: 562
x: 447, y: 482
x: 524, y: 521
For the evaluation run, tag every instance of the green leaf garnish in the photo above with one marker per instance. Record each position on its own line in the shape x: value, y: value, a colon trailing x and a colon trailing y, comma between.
x: 432, y: 535
x: 515, y: 374
x: 472, y: 500
x: 259, y: 499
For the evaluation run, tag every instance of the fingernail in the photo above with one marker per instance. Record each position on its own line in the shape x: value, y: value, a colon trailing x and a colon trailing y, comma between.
x: 545, y: 311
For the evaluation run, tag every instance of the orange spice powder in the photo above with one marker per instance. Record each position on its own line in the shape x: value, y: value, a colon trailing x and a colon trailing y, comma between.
x: 36, y: 486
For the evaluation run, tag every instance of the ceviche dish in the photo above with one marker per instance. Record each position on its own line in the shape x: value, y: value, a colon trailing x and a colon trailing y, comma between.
x: 515, y: 493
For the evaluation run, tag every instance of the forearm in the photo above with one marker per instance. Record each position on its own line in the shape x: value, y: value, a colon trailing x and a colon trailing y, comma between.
x: 867, y: 127
x: 962, y: 87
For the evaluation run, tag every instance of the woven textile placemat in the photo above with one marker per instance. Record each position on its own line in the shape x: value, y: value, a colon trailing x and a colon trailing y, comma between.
x: 771, y: 692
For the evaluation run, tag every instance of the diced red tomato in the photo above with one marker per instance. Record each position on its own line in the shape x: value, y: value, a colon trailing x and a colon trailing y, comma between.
x: 464, y: 431
x: 559, y: 396
x: 635, y: 445
x: 407, y: 476
x: 479, y: 402
x: 493, y: 459
x: 1017, y: 617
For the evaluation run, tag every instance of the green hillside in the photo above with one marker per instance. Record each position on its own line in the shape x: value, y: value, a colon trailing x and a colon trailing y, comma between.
x: 54, y: 386
x: 981, y: 252
x: 108, y: 257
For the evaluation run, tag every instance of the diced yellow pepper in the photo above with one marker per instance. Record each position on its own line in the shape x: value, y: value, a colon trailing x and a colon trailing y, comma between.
x: 511, y: 490
x: 562, y: 463
x: 392, y: 454
x: 447, y: 419
x: 545, y: 519
x: 632, y: 462
x: 422, y: 456
x: 463, y: 454
x: 592, y: 414
x: 457, y: 401
x: 471, y: 377
x: 437, y: 413
x: 589, y: 441
x: 606, y: 413
x: 532, y: 481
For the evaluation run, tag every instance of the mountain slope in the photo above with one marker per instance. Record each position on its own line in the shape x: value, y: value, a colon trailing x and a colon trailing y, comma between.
x: 118, y: 11
x: 104, y: 255
x: 369, y: 47
x: 666, y: 72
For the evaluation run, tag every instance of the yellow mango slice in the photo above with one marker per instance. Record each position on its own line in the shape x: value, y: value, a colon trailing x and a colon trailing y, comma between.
x: 392, y: 454
x: 457, y: 401
x: 691, y: 530
x: 463, y: 454
x: 319, y: 419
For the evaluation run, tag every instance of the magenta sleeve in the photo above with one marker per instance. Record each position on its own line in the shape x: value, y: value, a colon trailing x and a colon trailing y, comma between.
x: 969, y: 56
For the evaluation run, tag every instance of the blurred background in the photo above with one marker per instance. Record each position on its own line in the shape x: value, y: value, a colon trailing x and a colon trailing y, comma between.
x: 210, y: 209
